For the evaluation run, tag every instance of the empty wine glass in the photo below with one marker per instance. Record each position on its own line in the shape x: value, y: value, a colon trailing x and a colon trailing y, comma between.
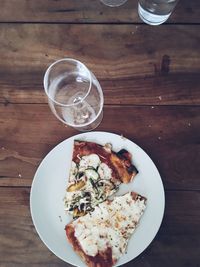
x: 113, y: 3
x: 74, y: 94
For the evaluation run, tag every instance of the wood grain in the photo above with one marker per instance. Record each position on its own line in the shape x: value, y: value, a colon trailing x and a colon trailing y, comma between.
x: 87, y: 11
x: 136, y: 64
x: 150, y: 79
x: 169, y: 134
x: 173, y: 89
x: 21, y: 246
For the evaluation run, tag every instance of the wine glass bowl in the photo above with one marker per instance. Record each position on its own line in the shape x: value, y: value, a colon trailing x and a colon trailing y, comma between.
x: 74, y: 94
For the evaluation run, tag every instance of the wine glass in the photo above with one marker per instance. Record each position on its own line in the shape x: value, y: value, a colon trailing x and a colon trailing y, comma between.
x: 74, y: 94
x: 113, y: 3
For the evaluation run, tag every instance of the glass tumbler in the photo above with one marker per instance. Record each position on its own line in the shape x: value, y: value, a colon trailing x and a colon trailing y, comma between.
x: 74, y: 94
x: 113, y: 3
x: 155, y: 12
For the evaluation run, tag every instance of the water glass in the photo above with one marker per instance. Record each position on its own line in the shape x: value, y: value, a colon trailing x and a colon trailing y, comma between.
x: 113, y: 3
x: 74, y: 94
x: 155, y: 12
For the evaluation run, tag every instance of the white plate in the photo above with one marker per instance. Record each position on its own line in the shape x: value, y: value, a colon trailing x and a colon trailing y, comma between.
x: 48, y: 190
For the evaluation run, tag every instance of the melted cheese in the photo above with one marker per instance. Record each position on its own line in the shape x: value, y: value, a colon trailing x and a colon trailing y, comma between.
x: 109, y: 225
x: 91, y: 168
x: 73, y: 172
x: 92, y: 160
x: 104, y: 171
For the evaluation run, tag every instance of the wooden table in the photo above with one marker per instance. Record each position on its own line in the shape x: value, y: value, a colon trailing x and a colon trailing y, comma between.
x: 151, y: 82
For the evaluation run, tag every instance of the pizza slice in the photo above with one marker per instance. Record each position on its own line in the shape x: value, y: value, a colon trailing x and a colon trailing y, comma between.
x: 96, y: 173
x: 101, y: 237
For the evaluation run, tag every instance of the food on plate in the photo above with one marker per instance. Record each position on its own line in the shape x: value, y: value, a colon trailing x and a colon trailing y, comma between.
x: 101, y: 236
x: 96, y: 173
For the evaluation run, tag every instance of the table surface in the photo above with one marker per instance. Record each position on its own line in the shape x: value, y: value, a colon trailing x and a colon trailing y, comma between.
x: 151, y: 82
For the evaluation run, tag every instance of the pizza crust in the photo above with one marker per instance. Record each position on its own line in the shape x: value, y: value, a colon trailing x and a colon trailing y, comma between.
x: 100, y: 260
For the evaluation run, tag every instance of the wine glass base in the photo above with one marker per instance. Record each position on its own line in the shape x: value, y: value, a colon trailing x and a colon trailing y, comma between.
x: 90, y: 126
x: 113, y: 3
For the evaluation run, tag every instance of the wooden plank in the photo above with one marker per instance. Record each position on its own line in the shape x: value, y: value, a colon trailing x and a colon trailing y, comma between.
x: 21, y: 246
x: 169, y: 135
x: 173, y: 89
x: 75, y: 11
x: 136, y: 64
